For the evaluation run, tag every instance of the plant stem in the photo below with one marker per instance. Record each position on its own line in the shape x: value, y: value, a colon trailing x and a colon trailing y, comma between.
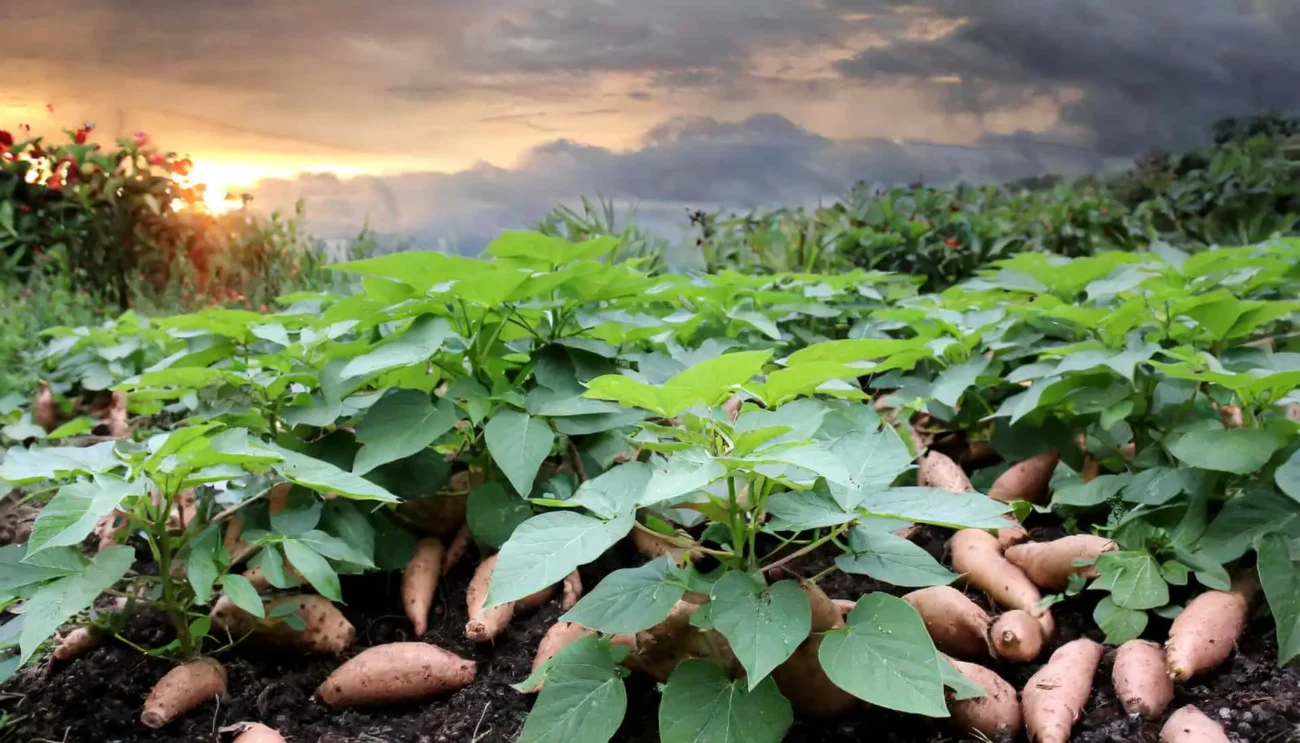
x: 806, y: 549
x: 737, y: 528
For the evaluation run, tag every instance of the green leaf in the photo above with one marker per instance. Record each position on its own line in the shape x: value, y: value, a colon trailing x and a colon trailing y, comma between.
x: 402, y: 423
x: 1154, y: 487
x: 518, y: 444
x: 763, y: 627
x: 583, y: 698
x: 243, y: 594
x: 493, y: 514
x: 324, y: 477
x: 1119, y: 624
x: 25, y: 466
x: 798, y: 510
x: 72, y: 513
x: 74, y: 427
x: 300, y: 514
x: 1240, y: 451
x: 705, y: 383
x: 684, y: 472
x: 201, y: 568
x: 314, y: 568
x: 333, y: 548
x: 548, y: 547
x: 937, y: 507
x: 1092, y: 493
x: 628, y: 600
x: 891, y: 559
x: 615, y: 491
x: 873, y: 458
x: 796, y: 381
x: 701, y: 705
x: 1280, y: 576
x: 1133, y: 579
x: 955, y: 380
x: 58, y: 601
x: 1244, y: 518
x: 553, y: 251
x: 1287, y: 476
x: 962, y: 687
x: 17, y: 573
x: 271, y: 563
x: 414, y: 347
x: 886, y: 657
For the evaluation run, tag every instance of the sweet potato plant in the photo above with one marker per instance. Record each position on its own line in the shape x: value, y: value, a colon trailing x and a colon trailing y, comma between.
x: 548, y: 402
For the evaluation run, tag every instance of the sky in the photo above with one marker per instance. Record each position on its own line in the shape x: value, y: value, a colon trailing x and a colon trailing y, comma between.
x: 449, y: 120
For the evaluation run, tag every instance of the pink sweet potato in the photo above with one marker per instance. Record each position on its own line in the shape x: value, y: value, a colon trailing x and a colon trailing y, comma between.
x: 1190, y: 725
x: 957, y: 625
x: 182, y: 689
x: 485, y: 624
x: 1055, y: 696
x: 1027, y: 480
x: 996, y: 716
x: 1141, y: 681
x: 1203, y: 636
x: 397, y: 672
x: 420, y: 581
x: 1050, y: 564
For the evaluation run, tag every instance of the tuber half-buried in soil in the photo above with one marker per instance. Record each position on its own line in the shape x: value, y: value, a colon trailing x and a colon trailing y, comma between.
x: 996, y: 716
x: 1140, y: 678
x: 396, y: 672
x: 420, y: 581
x: 326, y: 629
x: 558, y: 637
x: 958, y: 626
x: 1016, y: 636
x: 1050, y: 564
x: 182, y: 689
x: 1055, y: 696
x: 485, y: 624
x: 256, y: 732
x: 1027, y: 480
x: 1203, y: 636
x: 1190, y: 725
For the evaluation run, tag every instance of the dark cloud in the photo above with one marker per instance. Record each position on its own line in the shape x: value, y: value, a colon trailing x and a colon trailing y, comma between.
x: 1131, y: 74
x: 682, y: 163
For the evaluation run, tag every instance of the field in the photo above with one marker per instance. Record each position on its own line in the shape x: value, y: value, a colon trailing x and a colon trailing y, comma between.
x: 991, y: 422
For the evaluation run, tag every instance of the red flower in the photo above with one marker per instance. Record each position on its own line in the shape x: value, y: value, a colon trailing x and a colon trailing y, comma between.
x: 24, y: 208
x: 81, y: 135
x: 141, y: 139
x: 6, y: 139
x: 156, y: 159
x: 951, y: 242
x: 182, y: 167
x: 55, y: 183
x: 49, y: 107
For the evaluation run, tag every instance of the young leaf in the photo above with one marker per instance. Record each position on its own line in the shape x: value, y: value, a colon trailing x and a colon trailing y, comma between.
x: 886, y: 657
x: 402, y: 423
x: 892, y: 559
x: 493, y: 514
x: 548, y: 547
x: 1280, y: 576
x: 1119, y: 624
x: 243, y: 594
x: 764, y: 627
x: 628, y: 600
x: 72, y: 513
x: 324, y: 477
x: 1133, y: 579
x: 937, y: 507
x: 1240, y: 451
x: 518, y: 444
x: 314, y: 568
x: 60, y: 600
x: 701, y: 705
x: 583, y: 698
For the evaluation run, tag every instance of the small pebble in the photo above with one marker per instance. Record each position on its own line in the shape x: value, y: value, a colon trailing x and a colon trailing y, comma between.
x: 1225, y: 713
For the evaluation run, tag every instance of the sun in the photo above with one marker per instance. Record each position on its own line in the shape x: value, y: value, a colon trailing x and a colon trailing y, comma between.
x: 223, y: 183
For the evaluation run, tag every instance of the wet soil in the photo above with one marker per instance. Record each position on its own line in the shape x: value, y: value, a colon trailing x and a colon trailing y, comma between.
x: 98, y: 697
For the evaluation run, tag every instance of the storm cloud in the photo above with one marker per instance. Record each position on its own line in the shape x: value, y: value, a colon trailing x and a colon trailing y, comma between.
x: 474, y: 115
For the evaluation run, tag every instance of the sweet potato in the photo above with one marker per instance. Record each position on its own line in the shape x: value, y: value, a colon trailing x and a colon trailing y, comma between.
x: 77, y: 642
x: 260, y: 583
x: 1016, y: 636
x: 653, y: 545
x: 327, y: 630
x: 436, y: 515
x: 1141, y: 682
x: 937, y: 470
x: 1190, y: 725
x: 1050, y: 564
x: 114, y: 422
x: 485, y: 624
x: 843, y: 606
x: 1055, y: 696
x: 957, y: 625
x: 420, y: 580
x: 256, y: 732
x: 456, y: 549
x: 45, y: 413
x: 801, y: 677
x: 996, y: 716
x: 571, y: 591
x: 732, y: 407
x: 110, y: 527
x: 558, y: 637
x: 1202, y: 637
x: 535, y: 600
x: 184, y: 508
x: 1026, y: 480
x: 977, y: 555
x: 396, y: 672
x: 182, y: 689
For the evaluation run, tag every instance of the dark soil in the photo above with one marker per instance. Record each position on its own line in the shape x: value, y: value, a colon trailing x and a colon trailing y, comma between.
x: 98, y: 697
